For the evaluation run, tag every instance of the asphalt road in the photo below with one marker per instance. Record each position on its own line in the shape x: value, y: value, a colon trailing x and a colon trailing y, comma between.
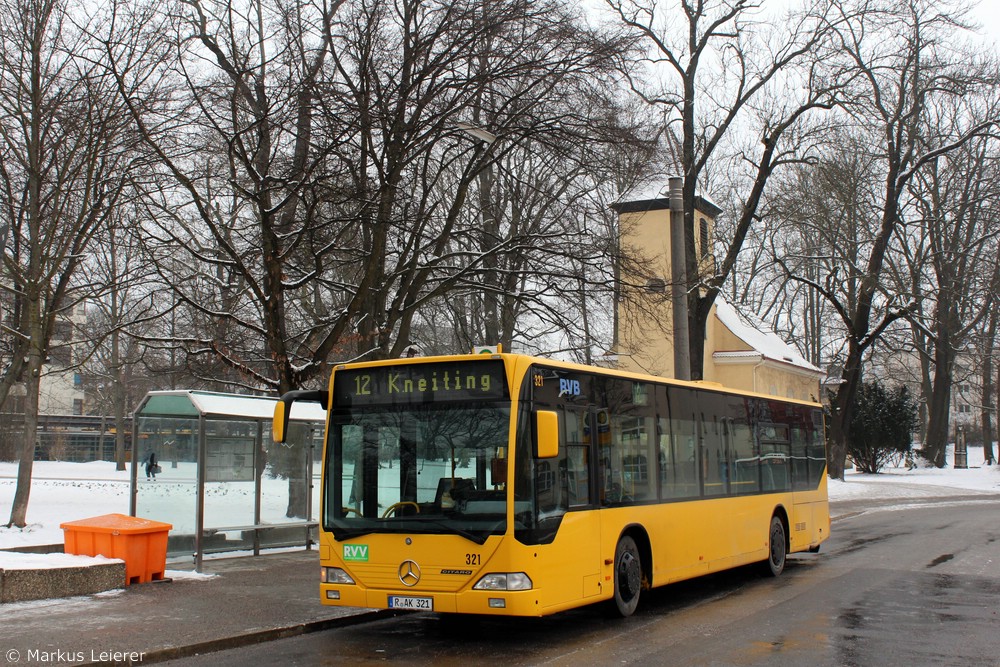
x: 901, y: 587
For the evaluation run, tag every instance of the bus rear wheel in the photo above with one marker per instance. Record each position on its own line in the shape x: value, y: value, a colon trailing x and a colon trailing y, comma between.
x: 628, y: 576
x: 777, y: 547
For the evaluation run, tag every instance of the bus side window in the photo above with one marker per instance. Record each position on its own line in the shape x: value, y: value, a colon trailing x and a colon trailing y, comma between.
x: 682, y: 456
x: 775, y: 455
x: 816, y: 449
x: 800, y: 461
x: 746, y: 462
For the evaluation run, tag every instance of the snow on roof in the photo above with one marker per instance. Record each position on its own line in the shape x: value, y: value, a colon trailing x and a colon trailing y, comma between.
x: 646, y: 190
x: 235, y: 405
x: 658, y: 199
x: 753, y: 332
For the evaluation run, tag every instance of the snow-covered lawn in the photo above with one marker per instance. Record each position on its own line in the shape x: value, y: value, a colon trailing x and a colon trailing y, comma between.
x: 922, y: 481
x: 62, y: 492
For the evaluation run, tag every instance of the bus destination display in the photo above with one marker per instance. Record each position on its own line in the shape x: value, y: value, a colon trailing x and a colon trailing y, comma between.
x: 418, y: 383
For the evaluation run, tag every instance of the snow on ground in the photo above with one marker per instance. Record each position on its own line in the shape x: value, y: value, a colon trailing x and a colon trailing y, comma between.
x: 62, y: 492
x: 921, y: 482
x: 19, y: 561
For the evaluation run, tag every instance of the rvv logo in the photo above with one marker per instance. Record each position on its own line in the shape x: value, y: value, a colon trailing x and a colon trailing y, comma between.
x: 356, y: 552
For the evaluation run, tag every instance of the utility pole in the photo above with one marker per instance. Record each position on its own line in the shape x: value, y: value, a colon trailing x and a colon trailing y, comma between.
x: 679, y: 282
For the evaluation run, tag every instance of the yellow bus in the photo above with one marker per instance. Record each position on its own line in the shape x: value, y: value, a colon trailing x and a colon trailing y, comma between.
x: 512, y: 485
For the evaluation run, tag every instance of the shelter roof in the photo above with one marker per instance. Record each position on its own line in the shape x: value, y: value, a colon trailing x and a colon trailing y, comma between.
x: 193, y: 403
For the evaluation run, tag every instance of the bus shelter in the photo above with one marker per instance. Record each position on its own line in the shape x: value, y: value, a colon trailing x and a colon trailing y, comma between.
x: 223, y: 483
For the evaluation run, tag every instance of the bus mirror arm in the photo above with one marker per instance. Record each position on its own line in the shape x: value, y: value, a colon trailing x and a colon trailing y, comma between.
x: 283, y: 409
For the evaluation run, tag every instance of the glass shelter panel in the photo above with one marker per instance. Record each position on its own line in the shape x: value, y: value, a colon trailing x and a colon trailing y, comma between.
x: 287, y: 482
x: 217, y: 457
x: 230, y: 479
x: 172, y: 496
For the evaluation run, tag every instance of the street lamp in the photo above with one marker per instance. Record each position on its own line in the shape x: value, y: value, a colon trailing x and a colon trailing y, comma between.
x: 489, y: 233
x: 476, y: 132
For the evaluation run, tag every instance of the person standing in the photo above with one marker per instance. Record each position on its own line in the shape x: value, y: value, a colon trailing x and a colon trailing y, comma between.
x: 151, y: 467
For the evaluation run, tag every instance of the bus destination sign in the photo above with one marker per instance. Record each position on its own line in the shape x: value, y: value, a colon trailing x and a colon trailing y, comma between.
x: 420, y: 383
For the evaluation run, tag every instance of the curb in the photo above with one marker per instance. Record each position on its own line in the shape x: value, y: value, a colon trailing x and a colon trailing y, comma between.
x: 258, y: 637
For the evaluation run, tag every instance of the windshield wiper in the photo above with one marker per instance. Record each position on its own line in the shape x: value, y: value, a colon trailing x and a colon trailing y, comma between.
x: 461, y: 532
x: 341, y: 534
x: 348, y: 533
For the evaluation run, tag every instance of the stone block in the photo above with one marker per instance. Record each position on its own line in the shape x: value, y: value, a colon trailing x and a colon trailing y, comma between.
x: 21, y: 585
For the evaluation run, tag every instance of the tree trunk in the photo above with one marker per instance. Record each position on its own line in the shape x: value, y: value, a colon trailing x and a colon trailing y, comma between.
x: 987, y: 382
x: 19, y: 508
x: 299, y: 478
x: 120, y: 416
x: 118, y: 391
x: 940, y: 404
x: 842, y: 412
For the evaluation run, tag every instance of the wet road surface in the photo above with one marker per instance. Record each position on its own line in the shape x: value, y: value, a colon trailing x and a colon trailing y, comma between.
x: 904, y: 586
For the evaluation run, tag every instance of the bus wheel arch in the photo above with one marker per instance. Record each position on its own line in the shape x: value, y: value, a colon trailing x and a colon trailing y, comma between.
x: 632, y: 574
x: 778, y: 539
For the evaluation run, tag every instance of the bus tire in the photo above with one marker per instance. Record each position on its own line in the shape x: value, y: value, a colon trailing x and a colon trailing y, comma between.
x: 777, y: 547
x: 628, y: 576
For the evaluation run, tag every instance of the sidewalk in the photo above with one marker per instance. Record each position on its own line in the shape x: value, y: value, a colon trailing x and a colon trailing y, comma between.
x: 252, y: 599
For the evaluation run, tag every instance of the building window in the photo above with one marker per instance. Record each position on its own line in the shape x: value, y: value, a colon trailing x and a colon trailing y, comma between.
x: 703, y: 237
x: 63, y: 331
x: 77, y: 406
x: 60, y: 356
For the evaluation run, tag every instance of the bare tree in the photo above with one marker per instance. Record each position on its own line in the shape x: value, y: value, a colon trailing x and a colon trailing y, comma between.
x: 60, y: 138
x: 312, y: 209
x: 118, y: 312
x: 987, y: 380
x: 732, y: 74
x: 897, y: 62
x: 226, y: 106
x: 951, y: 218
x: 531, y: 69
x: 817, y: 222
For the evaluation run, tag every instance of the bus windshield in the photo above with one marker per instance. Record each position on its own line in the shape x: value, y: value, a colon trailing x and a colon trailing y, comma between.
x: 417, y: 468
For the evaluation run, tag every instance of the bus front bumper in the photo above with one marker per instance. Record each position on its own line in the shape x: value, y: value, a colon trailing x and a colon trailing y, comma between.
x: 501, y: 603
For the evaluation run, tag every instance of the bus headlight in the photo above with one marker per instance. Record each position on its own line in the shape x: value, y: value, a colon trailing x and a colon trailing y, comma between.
x: 334, y: 575
x: 504, y: 581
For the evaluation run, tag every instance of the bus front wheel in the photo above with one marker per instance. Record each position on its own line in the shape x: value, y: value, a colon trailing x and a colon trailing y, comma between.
x: 628, y: 576
x: 777, y: 547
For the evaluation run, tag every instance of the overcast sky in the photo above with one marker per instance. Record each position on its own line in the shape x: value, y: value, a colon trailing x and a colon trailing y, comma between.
x: 988, y: 13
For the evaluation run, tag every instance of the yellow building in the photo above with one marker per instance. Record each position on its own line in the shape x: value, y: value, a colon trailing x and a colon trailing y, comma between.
x: 739, y: 352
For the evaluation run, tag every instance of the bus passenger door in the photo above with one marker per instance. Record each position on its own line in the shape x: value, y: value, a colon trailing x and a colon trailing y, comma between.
x: 580, y: 532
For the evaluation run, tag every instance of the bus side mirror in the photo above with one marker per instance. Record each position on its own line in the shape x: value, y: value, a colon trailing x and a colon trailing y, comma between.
x: 283, y: 410
x: 547, y: 434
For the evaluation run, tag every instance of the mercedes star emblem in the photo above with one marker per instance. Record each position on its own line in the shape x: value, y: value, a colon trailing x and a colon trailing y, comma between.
x: 409, y: 573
